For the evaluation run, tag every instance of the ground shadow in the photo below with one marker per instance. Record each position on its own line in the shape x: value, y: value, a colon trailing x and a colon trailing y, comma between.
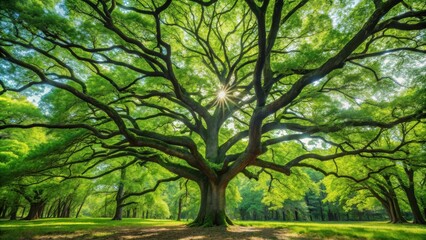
x: 178, y: 232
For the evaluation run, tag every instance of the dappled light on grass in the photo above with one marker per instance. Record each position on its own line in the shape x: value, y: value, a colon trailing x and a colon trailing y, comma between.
x: 75, y: 235
x: 193, y: 237
x: 49, y: 224
x: 348, y: 230
x: 242, y: 229
x: 177, y: 232
x: 103, y: 228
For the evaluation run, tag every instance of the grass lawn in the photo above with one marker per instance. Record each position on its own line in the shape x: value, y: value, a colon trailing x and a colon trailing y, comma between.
x: 71, y: 228
x: 103, y: 228
x: 348, y: 230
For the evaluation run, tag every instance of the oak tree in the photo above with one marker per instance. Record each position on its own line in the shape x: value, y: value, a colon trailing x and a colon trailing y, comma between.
x: 212, y: 89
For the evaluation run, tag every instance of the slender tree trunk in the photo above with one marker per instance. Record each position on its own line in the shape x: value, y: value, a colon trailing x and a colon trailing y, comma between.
x: 58, y: 210
x: 309, y: 207
x: 14, y: 208
x: 49, y: 212
x: 243, y: 214
x: 81, y: 205
x: 424, y: 211
x: 64, y: 208
x: 329, y: 214
x: 23, y: 212
x: 13, y: 211
x: 42, y: 211
x: 179, y: 213
x: 212, y: 207
x: 68, y: 209
x: 134, y: 212
x: 2, y: 207
x: 296, y: 214
x: 3, y: 213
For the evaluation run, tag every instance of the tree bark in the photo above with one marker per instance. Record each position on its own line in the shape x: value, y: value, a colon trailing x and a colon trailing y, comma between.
x: 14, y: 211
x: 119, y: 197
x: 81, y: 205
x: 2, y: 207
x: 309, y: 207
x: 412, y: 200
x: 23, y: 212
x: 58, y: 210
x: 3, y: 213
x: 212, y: 207
x: 134, y: 212
x: 36, y: 209
x: 296, y: 214
x: 393, y: 200
x: 179, y: 213
x: 411, y: 196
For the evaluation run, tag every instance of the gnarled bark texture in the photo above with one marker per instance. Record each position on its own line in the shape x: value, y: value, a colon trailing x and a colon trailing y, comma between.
x: 119, y: 197
x: 212, y: 208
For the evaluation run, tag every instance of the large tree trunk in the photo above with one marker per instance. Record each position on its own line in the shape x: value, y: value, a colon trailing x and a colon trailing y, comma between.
x: 412, y: 200
x: 212, y: 207
x: 36, y: 209
x: 119, y: 197
x: 118, y: 211
x: 411, y: 196
x: 386, y: 205
x: 393, y: 200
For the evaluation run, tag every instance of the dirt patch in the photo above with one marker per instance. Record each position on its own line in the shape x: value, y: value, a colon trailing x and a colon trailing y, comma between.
x: 179, y: 232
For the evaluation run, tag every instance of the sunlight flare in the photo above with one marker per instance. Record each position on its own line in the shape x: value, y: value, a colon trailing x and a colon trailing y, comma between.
x: 221, y: 95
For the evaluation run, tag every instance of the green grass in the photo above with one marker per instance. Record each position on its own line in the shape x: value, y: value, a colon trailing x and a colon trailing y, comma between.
x: 99, y: 228
x: 89, y: 227
x: 348, y: 230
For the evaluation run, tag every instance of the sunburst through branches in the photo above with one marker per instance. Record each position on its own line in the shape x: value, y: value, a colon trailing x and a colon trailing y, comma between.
x: 223, y: 97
